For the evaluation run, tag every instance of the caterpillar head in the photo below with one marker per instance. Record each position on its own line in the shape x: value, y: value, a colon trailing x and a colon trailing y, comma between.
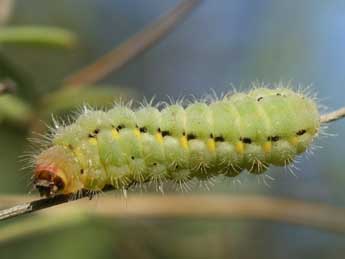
x: 54, y: 168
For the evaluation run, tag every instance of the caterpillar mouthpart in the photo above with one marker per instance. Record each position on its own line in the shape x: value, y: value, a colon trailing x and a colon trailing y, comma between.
x: 48, y: 180
x: 55, y: 170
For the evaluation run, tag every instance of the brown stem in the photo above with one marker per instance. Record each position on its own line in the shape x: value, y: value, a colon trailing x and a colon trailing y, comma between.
x: 333, y: 116
x: 309, y: 214
x: 135, y: 45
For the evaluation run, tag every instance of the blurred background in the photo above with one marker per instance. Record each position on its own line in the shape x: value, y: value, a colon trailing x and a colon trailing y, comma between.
x: 220, y: 44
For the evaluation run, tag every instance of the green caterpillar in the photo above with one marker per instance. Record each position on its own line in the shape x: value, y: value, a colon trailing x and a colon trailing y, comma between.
x: 122, y: 146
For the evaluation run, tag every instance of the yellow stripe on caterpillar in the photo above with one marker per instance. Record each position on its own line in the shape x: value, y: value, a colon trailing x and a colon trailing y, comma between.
x: 239, y: 147
x: 211, y: 144
x: 184, y: 142
x: 93, y: 141
x: 115, y: 134
x: 137, y: 133
x: 159, y: 137
x: 294, y: 141
x: 267, y: 147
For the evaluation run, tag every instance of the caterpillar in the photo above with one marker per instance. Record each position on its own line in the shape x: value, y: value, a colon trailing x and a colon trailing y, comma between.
x: 121, y: 146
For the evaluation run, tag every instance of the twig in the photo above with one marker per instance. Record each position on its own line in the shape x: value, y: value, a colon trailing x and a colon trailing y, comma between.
x: 333, y: 116
x: 49, y: 202
x: 36, y: 205
x: 41, y: 204
x: 214, y: 206
x: 135, y: 45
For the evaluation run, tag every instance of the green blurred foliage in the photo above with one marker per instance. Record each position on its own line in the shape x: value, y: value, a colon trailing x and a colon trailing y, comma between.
x: 13, y: 109
x: 37, y: 36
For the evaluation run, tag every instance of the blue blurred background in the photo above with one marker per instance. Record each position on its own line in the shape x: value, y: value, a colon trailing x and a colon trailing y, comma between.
x: 222, y: 43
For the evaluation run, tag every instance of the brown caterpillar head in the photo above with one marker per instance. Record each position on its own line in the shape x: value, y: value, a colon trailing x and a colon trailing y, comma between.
x: 49, y: 180
x: 53, y: 171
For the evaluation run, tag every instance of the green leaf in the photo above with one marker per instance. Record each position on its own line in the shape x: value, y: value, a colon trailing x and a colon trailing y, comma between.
x: 38, y: 35
x: 13, y: 109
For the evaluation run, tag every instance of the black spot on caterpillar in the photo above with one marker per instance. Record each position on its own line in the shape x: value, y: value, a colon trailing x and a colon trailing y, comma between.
x: 94, y: 133
x: 273, y: 138
x: 143, y: 129
x: 260, y: 98
x: 120, y: 127
x: 191, y: 136
x: 246, y: 140
x: 122, y: 146
x: 165, y: 133
x: 219, y: 139
x: 301, y: 132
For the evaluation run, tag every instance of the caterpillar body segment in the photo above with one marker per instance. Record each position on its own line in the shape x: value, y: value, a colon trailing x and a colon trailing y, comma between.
x: 124, y: 146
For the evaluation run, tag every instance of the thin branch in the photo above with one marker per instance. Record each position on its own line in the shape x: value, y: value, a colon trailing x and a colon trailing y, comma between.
x: 135, y: 45
x: 45, y: 203
x: 308, y: 214
x: 35, y: 205
x: 333, y: 116
x: 49, y: 202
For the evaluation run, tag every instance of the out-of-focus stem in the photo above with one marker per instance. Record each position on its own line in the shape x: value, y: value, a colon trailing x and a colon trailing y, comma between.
x: 128, y: 50
x: 309, y: 214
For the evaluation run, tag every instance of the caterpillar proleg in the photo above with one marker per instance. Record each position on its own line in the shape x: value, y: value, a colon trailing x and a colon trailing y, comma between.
x: 122, y: 146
